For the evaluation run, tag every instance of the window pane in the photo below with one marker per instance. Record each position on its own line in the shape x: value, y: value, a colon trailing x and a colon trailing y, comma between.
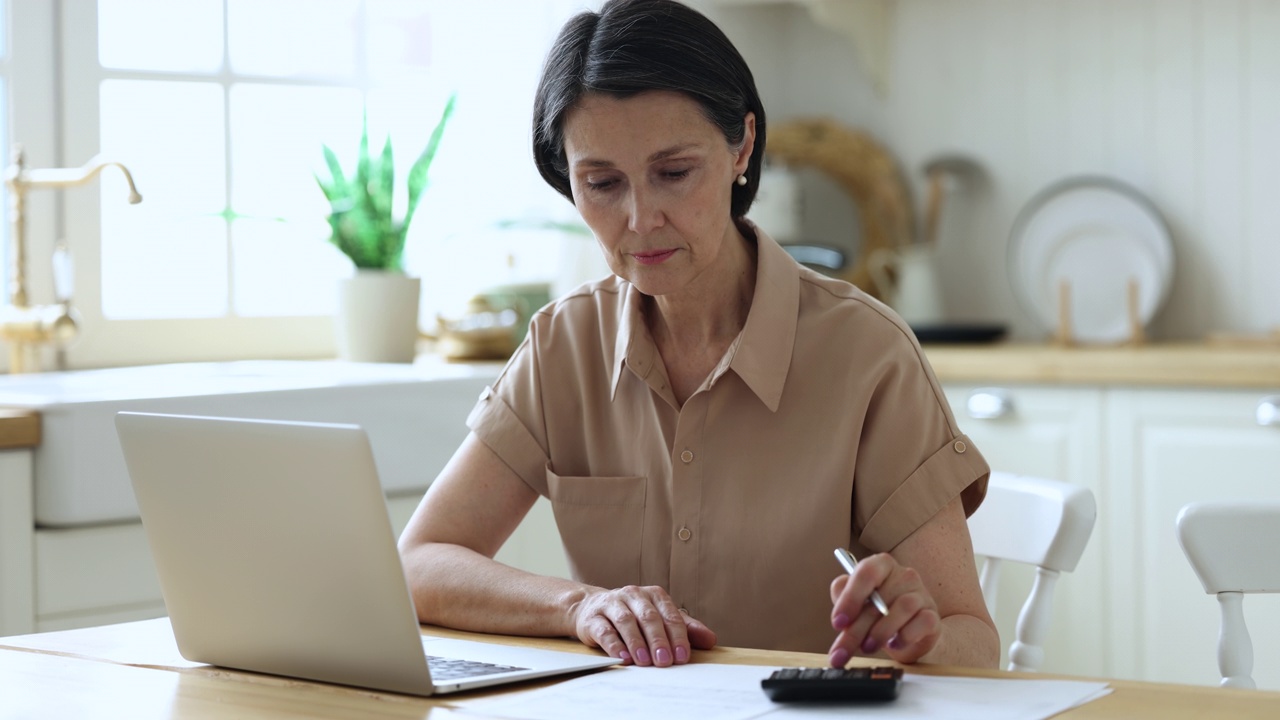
x: 166, y: 257
x: 160, y: 35
x: 398, y: 38
x: 158, y: 265
x: 285, y: 268
x: 283, y: 263
x: 290, y: 38
x: 277, y: 135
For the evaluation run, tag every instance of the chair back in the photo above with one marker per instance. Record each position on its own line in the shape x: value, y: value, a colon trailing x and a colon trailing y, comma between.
x: 1231, y: 547
x: 1036, y: 521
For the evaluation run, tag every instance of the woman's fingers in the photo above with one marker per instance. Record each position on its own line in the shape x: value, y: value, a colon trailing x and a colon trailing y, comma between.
x: 907, y: 632
x: 700, y: 636
x: 916, y: 638
x: 642, y: 625
x: 603, y: 635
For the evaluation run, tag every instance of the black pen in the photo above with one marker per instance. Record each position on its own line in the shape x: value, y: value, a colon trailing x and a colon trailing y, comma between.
x: 850, y: 562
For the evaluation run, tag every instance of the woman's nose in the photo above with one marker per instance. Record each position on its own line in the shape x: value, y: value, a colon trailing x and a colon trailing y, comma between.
x: 645, y: 213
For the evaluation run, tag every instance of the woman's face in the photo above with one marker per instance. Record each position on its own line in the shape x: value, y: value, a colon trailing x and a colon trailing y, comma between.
x: 652, y: 178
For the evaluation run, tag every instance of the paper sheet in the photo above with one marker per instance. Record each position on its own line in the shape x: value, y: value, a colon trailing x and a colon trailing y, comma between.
x: 732, y: 692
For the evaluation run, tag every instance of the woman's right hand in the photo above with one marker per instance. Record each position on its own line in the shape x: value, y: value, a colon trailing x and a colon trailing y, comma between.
x: 640, y: 625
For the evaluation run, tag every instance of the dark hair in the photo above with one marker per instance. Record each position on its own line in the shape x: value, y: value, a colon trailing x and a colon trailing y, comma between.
x: 632, y: 46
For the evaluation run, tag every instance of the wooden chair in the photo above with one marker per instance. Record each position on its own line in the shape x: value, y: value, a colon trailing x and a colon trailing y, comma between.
x: 1231, y: 547
x: 1039, y: 522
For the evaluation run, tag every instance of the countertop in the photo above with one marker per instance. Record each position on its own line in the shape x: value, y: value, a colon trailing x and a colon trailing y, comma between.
x: 1163, y: 364
x: 1189, y: 365
x: 19, y: 429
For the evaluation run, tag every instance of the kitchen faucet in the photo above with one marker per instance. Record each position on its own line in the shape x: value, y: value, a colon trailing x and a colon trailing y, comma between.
x: 23, y: 326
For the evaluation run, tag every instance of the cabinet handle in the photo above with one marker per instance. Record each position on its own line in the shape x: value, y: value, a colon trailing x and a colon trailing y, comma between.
x: 990, y: 403
x: 1268, y: 412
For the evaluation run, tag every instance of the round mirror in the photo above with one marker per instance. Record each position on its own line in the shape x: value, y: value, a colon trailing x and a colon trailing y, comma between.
x: 865, y: 172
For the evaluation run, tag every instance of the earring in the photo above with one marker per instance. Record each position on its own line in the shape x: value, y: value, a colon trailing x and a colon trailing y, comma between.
x: 742, y: 180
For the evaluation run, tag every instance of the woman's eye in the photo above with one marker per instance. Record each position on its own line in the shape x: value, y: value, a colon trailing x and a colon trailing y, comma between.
x: 676, y: 174
x: 598, y: 185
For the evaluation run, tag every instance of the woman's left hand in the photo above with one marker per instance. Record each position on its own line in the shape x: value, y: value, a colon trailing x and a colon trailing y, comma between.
x: 908, y: 632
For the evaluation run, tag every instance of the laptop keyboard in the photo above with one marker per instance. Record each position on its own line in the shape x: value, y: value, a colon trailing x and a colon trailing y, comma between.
x: 443, y: 668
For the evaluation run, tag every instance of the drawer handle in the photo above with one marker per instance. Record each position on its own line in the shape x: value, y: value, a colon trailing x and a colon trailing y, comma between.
x: 989, y: 404
x: 1268, y: 413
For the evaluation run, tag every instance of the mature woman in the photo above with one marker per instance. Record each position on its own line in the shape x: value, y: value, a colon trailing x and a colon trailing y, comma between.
x: 710, y: 422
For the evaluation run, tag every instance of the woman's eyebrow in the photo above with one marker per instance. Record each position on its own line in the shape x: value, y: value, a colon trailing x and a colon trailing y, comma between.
x: 659, y: 155
x: 671, y: 151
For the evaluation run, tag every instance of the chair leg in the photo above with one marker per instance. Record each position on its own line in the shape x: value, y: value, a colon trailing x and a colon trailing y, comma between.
x: 1027, y: 651
x: 989, y: 581
x: 1235, y: 649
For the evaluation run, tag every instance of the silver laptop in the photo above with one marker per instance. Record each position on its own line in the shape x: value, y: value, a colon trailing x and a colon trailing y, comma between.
x: 275, y: 554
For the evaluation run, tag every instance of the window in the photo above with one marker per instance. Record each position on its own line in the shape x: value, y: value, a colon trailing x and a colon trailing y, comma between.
x: 219, y: 109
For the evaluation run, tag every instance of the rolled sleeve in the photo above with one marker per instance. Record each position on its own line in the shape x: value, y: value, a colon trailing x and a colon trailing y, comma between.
x: 957, y: 468
x: 499, y: 428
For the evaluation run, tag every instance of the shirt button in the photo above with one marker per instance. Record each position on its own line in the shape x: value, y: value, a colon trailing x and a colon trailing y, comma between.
x: 687, y: 456
x: 684, y: 534
x: 486, y: 392
x: 960, y: 446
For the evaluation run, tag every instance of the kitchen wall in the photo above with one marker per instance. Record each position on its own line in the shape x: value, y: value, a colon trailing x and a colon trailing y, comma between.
x: 1179, y: 98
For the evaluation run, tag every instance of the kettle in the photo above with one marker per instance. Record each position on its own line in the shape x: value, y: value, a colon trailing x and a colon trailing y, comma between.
x: 915, y: 294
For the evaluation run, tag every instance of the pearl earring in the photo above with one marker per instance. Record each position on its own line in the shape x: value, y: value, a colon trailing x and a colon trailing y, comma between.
x: 742, y: 180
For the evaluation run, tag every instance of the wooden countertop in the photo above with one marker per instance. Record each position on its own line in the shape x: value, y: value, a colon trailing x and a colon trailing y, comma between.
x: 1184, y: 365
x: 133, y: 670
x: 19, y: 429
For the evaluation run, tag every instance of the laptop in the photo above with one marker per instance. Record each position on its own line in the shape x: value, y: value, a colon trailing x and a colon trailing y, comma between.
x: 275, y: 554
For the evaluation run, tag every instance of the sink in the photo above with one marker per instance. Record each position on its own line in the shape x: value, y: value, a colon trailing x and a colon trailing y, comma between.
x: 414, y: 414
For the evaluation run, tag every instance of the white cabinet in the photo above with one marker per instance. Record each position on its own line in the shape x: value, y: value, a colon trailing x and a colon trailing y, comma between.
x: 1051, y: 432
x: 1169, y: 448
x: 1133, y: 609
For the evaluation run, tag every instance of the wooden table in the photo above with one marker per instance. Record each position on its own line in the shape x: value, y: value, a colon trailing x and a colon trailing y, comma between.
x: 1159, y: 364
x: 133, y: 671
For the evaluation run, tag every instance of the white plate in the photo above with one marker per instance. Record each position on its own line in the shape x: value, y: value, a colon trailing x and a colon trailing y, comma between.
x: 1097, y: 235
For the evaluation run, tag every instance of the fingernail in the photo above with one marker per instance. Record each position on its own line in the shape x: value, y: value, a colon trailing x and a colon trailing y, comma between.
x: 840, y: 621
x: 642, y: 657
x: 662, y: 656
x: 624, y: 656
x: 869, y: 645
x: 897, y: 643
x: 839, y: 658
x: 682, y: 654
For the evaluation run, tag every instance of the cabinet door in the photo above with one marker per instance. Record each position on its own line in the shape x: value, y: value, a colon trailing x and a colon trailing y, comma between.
x: 1169, y: 448
x: 1051, y: 432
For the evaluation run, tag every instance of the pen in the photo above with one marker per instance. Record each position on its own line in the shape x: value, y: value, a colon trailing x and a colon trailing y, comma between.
x: 850, y: 562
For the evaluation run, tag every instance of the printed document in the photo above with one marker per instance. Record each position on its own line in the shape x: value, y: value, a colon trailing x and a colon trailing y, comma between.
x: 732, y: 692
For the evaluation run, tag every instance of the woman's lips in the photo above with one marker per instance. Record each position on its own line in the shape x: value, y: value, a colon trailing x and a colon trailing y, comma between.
x: 654, y: 257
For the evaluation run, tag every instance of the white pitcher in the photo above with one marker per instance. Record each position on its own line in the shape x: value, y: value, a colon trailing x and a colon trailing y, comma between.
x: 915, y: 296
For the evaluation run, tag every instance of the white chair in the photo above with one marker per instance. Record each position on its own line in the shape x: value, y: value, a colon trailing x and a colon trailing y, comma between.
x: 1041, y: 522
x: 1231, y: 547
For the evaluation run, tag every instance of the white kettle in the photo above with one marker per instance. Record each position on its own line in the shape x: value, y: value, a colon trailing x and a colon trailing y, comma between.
x: 915, y: 295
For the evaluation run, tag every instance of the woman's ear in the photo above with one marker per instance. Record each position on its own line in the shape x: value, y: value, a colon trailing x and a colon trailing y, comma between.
x: 743, y: 158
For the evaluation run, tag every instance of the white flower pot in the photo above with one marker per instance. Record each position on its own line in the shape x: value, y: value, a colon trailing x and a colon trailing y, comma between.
x: 378, y: 317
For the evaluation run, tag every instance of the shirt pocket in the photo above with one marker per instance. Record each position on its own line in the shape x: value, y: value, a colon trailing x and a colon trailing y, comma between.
x: 601, y: 522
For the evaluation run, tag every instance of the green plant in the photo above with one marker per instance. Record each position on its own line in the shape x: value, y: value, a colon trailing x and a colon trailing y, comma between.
x: 363, y: 225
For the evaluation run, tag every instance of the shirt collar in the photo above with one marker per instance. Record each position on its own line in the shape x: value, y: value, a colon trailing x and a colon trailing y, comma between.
x: 763, y: 357
x: 629, y: 350
x: 762, y: 353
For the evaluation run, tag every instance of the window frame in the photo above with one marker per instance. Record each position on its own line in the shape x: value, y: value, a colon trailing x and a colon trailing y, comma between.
x: 110, y: 342
x: 32, y: 107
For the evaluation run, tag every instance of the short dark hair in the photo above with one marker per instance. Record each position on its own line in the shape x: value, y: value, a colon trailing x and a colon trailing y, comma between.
x: 633, y: 46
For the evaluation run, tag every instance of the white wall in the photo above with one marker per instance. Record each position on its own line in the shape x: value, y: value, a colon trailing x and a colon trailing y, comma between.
x: 1179, y: 98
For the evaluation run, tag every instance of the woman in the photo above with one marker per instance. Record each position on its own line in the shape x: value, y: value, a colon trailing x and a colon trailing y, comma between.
x: 711, y: 421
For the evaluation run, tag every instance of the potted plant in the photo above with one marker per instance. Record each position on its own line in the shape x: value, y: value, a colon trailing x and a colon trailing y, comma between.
x: 378, y: 306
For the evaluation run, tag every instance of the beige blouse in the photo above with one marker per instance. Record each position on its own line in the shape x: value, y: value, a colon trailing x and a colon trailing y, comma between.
x: 822, y: 426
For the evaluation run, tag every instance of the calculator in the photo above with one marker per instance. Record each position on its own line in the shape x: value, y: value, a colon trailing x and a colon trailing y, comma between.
x: 833, y: 684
